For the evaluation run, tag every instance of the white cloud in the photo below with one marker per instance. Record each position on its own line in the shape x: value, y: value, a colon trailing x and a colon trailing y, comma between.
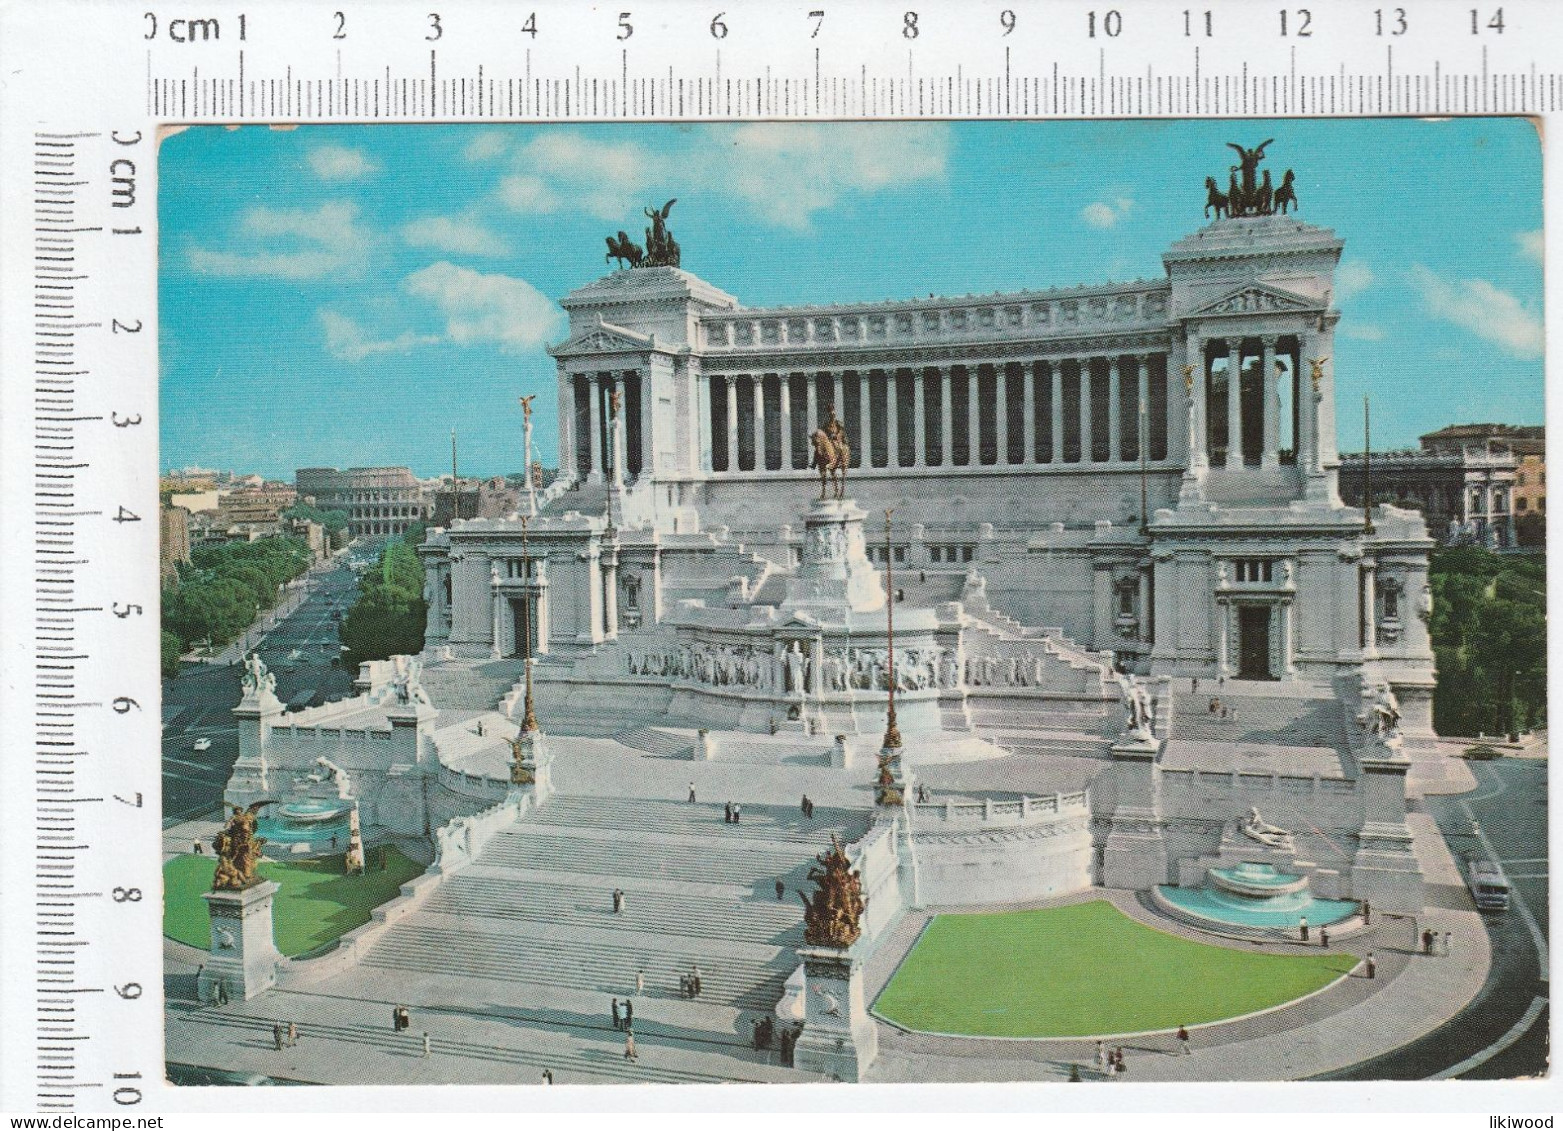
x: 480, y: 308
x: 339, y: 163
x: 1364, y: 331
x: 1530, y: 244
x: 456, y: 235
x: 1352, y: 278
x: 486, y: 146
x: 347, y: 340
x: 782, y: 173
x: 1483, y: 309
x: 1107, y: 214
x: 314, y: 243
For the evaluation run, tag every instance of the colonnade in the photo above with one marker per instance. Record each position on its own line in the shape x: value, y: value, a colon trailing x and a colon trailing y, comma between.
x: 1090, y: 408
x: 587, y: 441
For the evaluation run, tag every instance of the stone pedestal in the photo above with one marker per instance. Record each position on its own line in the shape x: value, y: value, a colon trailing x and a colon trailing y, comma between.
x: 537, y: 760
x: 244, y: 955
x: 835, y: 572
x: 249, y: 781
x: 1385, y: 870
x: 1135, y: 855
x: 839, y: 1039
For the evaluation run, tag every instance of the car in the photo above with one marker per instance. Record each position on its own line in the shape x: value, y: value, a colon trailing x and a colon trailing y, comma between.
x: 202, y: 744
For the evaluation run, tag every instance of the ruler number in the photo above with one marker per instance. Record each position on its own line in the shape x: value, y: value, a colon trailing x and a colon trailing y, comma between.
x: 1495, y: 23
x: 818, y: 16
x: 909, y: 25
x: 127, y: 895
x: 126, y: 516
x: 1190, y: 22
x: 130, y: 991
x: 626, y: 29
x: 124, y: 703
x: 1007, y: 20
x: 436, y: 29
x: 341, y: 25
x: 127, y: 1095
x: 126, y: 611
x: 120, y: 328
x: 718, y: 28
x: 136, y: 804
x: 1303, y: 23
x: 530, y: 27
x: 129, y: 421
x: 1112, y: 24
x: 1396, y: 22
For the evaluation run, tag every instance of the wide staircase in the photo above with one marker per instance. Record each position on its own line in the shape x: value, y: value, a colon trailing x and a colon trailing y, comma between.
x: 469, y: 685
x: 532, y: 920
x: 1279, y: 720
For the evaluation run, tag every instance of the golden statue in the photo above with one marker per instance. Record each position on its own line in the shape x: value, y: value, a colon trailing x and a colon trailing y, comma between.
x: 1317, y: 375
x: 238, y: 849
x: 520, y: 773
x: 526, y: 406
x: 832, y: 455
x: 886, y: 790
x: 615, y: 402
x: 833, y: 915
x: 1188, y: 379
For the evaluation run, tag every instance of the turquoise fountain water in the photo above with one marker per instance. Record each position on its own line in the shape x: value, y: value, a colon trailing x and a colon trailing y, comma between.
x: 1256, y: 895
x: 310, y: 823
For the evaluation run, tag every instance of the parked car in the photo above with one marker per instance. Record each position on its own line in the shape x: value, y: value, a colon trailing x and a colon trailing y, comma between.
x: 202, y: 744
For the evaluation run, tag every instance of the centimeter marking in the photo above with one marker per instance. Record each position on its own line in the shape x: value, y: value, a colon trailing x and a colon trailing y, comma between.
x: 1058, y: 91
x: 57, y: 650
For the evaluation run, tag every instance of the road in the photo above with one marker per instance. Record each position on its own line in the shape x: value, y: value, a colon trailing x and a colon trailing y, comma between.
x: 1502, y: 1034
x: 197, y: 703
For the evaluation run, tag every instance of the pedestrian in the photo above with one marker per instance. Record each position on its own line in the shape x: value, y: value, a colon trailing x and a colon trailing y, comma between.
x: 1324, y: 937
x: 781, y: 890
x: 1448, y: 939
x: 618, y: 1022
x: 1183, y: 1041
x: 691, y: 793
x: 1194, y: 686
x: 202, y: 966
x: 922, y: 793
x: 396, y: 1019
x: 425, y: 1042
x: 1233, y: 715
x: 1427, y: 941
x: 727, y: 813
x: 811, y: 808
x: 1122, y: 1067
x: 640, y: 982
x: 222, y: 991
x: 694, y: 981
x: 292, y: 1034
x: 804, y: 806
x: 548, y: 1076
x: 1367, y: 913
x: 1101, y: 1057
x: 618, y: 901
x: 629, y: 1014
x: 199, y: 848
x: 737, y: 813
x: 276, y: 1034
x: 333, y: 841
x: 629, y: 1047
x: 480, y: 728
x: 1371, y: 966
x: 1302, y: 927
x: 1215, y: 705
x: 1221, y: 681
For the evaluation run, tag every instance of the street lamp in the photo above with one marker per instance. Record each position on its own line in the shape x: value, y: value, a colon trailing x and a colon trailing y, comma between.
x: 892, y: 740
x: 528, y: 716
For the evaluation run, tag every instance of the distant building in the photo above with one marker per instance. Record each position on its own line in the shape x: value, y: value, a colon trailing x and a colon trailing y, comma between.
x: 379, y: 501
x: 312, y: 534
x: 1468, y: 480
x: 173, y: 542
x: 475, y: 498
x: 256, y: 505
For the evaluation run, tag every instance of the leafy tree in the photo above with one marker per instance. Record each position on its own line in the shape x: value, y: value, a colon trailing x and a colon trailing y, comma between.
x: 388, y: 617
x: 332, y: 520
x: 172, y: 650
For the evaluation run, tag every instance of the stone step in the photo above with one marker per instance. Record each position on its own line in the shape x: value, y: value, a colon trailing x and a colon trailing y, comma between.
x: 664, y: 742
x: 1280, y: 720
x: 779, y: 826
x: 741, y: 866
x: 603, y: 967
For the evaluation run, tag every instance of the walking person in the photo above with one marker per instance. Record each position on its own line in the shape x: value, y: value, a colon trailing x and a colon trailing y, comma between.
x: 425, y: 1043
x: 1370, y: 966
x: 737, y: 813
x: 548, y: 1076
x: 396, y: 1019
x: 1324, y: 937
x: 1183, y: 1041
x: 1448, y: 940
x: 1302, y: 928
x: 629, y: 1047
x: 1101, y: 1057
x: 1367, y: 913
x: 618, y: 1022
x: 781, y: 890
x: 276, y: 1034
x: 640, y: 983
x: 1427, y: 942
x: 691, y: 793
x: 629, y: 1014
x: 292, y: 1034
x: 1194, y: 686
x: 804, y: 806
x: 727, y: 813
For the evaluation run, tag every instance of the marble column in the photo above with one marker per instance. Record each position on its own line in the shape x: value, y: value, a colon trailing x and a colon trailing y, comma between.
x: 811, y: 402
x: 595, y: 464
x: 610, y: 594
x: 1142, y: 414
x: 1000, y: 413
x: 1288, y: 645
x: 1146, y: 628
x: 919, y: 419
x: 496, y: 600
x: 1234, y: 402
x: 567, y: 466
x: 757, y: 389
x: 892, y: 419
x: 839, y: 405
x: 1195, y: 393
x: 865, y: 416
x: 1369, y: 609
x: 784, y: 391
x: 1114, y: 412
x: 1056, y: 368
x: 1270, y: 453
x: 732, y: 421
x: 1085, y: 410
x: 973, y: 419
x: 946, y: 417
x: 616, y: 429
x: 1223, y: 631
x: 1028, y: 411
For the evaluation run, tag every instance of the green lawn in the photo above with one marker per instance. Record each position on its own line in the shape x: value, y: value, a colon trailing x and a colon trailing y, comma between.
x: 1084, y: 970
x: 317, y: 902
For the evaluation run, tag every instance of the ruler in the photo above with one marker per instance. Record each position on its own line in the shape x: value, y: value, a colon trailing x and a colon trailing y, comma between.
x: 81, y: 925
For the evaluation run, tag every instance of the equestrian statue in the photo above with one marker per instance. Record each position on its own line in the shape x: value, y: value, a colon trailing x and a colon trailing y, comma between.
x: 831, y: 456
x: 1250, y: 192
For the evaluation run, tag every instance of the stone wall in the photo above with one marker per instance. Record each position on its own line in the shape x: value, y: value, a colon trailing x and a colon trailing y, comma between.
x: 1001, y: 852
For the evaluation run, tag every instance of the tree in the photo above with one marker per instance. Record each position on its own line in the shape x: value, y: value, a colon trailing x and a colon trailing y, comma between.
x: 332, y: 520
x: 1489, y: 638
x: 388, y: 618
x: 172, y: 650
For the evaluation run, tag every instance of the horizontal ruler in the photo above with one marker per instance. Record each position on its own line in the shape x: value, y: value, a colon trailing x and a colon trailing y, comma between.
x: 878, y: 60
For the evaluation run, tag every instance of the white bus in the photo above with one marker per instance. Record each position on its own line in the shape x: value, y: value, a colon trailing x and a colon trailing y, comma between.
x: 1489, y: 886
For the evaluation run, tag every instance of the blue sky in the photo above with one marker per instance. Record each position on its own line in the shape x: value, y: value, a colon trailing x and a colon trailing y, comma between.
x: 347, y: 294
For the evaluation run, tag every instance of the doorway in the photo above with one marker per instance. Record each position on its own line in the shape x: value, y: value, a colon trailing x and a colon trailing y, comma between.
x: 525, y: 635
x: 1253, y: 642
